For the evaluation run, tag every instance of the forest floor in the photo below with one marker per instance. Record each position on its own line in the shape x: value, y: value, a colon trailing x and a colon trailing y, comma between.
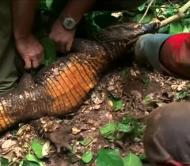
x: 126, y: 92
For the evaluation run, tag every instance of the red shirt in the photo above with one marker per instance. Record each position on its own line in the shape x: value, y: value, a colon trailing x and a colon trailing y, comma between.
x: 175, y: 55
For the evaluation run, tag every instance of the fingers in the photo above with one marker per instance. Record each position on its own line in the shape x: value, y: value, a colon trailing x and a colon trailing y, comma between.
x: 68, y: 46
x: 62, y: 48
x: 34, y: 62
x: 28, y: 64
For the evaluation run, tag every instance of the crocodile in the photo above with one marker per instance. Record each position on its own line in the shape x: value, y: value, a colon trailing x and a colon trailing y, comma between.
x: 63, y: 86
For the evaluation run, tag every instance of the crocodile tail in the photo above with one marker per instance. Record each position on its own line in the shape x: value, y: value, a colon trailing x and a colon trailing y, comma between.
x: 5, y: 120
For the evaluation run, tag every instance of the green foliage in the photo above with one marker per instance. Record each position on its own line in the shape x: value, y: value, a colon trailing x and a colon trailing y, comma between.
x: 49, y: 50
x: 181, y: 95
x: 87, y: 157
x: 86, y: 142
x: 112, y: 158
x: 31, y: 160
x: 131, y: 159
x: 146, y: 19
x: 175, y: 27
x: 45, y: 5
x: 108, y: 130
x: 116, y: 131
x: 117, y: 103
x: 4, y: 161
x: 37, y: 146
x: 109, y: 157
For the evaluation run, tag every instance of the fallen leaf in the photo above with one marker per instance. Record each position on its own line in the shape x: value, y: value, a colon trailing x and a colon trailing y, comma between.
x: 117, y: 103
x: 87, y: 141
x: 136, y: 94
x: 96, y: 107
x: 160, y: 104
x: 46, y: 149
x: 75, y: 130
x: 109, y: 157
x: 8, y: 144
x: 37, y: 145
x: 87, y: 157
x: 109, y: 116
x: 96, y: 98
x: 108, y: 130
x: 132, y: 160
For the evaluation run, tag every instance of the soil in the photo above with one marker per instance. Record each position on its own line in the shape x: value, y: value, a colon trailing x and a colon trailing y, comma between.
x: 130, y: 84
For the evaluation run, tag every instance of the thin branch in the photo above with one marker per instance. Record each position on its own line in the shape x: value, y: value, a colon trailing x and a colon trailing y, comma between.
x: 146, y: 11
x: 177, y: 16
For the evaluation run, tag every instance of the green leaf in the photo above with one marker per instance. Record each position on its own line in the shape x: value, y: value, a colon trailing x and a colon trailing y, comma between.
x: 134, y: 125
x: 117, y: 103
x: 142, y: 156
x: 170, y: 12
x: 124, y: 73
x: 42, y: 5
x: 146, y: 19
x: 34, y: 159
x: 146, y: 80
x: 148, y: 99
x: 108, y: 130
x: 28, y: 163
x: 124, y: 127
x: 109, y: 157
x: 141, y: 8
x: 49, y: 3
x: 37, y: 146
x: 131, y: 160
x: 185, y: 29
x: 49, y: 50
x: 180, y: 95
x: 86, y: 142
x: 4, y: 161
x: 164, y: 29
x: 175, y: 27
x: 87, y: 157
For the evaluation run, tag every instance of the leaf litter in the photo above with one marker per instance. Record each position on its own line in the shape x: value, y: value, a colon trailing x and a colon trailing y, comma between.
x: 116, y: 124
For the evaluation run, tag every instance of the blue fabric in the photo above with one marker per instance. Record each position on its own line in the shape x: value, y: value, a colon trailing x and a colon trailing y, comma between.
x: 148, y: 46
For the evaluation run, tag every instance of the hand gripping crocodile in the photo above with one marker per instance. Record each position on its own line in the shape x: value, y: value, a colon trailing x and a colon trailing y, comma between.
x: 63, y: 86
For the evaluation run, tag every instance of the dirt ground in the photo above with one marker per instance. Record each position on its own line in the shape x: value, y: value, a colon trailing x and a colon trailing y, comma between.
x: 130, y: 84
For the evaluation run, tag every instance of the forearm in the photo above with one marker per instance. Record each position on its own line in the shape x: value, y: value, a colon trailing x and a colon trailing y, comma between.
x: 76, y: 8
x: 23, y: 17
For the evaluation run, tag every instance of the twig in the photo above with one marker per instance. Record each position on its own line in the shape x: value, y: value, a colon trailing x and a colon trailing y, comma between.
x: 146, y: 11
x: 177, y: 16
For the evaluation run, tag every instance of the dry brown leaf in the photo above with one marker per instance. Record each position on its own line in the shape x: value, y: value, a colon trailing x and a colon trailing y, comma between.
x: 136, y: 94
x: 18, y: 152
x: 96, y: 107
x: 46, y: 149
x: 96, y: 98
x: 75, y: 130
x: 109, y: 116
x: 8, y: 144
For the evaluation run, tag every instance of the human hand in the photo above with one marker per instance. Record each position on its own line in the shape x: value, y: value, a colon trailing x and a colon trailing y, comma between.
x: 63, y: 38
x: 31, y: 51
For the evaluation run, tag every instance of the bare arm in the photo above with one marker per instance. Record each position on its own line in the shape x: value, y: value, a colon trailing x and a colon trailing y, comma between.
x: 23, y: 12
x: 28, y: 46
x: 76, y: 8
